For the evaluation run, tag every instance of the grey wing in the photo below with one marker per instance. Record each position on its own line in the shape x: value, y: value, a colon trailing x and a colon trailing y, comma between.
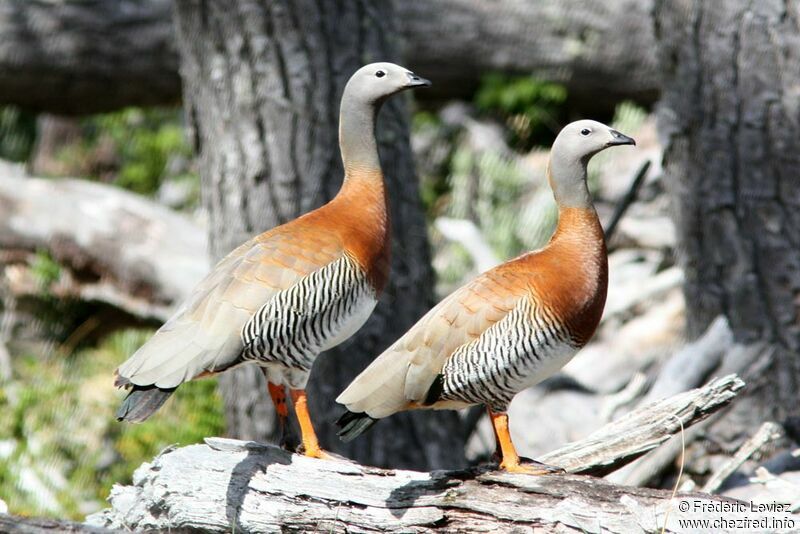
x: 205, y: 334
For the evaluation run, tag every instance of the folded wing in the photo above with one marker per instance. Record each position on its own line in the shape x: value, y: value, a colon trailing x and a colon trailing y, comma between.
x: 205, y: 333
x: 403, y: 375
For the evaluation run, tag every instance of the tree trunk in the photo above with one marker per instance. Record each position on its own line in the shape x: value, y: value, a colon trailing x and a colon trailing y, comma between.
x: 88, y: 56
x: 262, y: 84
x: 729, y: 115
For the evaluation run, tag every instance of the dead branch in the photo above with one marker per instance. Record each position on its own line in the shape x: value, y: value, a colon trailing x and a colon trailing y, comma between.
x: 767, y: 433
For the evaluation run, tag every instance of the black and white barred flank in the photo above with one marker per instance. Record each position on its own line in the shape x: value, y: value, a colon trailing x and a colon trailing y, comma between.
x: 301, y: 321
x: 522, y: 349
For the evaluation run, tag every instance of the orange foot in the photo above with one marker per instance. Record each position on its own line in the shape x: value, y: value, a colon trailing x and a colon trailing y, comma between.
x: 318, y: 452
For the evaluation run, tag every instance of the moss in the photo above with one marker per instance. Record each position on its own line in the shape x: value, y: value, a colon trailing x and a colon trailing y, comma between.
x: 46, y: 270
x: 17, y: 133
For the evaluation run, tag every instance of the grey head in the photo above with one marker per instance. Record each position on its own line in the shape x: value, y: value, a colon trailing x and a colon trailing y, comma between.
x: 376, y: 82
x: 573, y: 148
x: 363, y: 95
x: 585, y: 138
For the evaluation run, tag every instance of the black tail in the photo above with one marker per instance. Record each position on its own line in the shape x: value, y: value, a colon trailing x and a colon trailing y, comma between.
x: 141, y: 402
x: 353, y: 425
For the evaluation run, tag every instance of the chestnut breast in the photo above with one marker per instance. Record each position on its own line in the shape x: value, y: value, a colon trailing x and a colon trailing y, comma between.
x: 570, y: 276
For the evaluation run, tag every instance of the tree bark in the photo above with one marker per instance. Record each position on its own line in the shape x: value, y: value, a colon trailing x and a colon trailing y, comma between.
x: 88, y: 56
x: 262, y: 84
x: 729, y: 115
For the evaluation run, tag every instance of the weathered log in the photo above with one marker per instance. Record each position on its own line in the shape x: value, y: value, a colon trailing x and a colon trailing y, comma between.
x: 88, y: 56
x: 603, y: 52
x: 122, y: 249
x: 229, y: 484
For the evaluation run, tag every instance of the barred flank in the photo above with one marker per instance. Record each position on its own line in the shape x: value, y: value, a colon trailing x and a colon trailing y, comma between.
x: 292, y: 328
x: 498, y: 365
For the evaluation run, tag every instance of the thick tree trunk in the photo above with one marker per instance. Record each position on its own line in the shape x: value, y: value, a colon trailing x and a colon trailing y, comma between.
x: 730, y: 117
x: 263, y: 82
x: 88, y: 56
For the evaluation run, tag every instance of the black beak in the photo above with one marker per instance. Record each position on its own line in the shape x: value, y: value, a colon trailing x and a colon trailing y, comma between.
x: 416, y: 81
x: 620, y: 139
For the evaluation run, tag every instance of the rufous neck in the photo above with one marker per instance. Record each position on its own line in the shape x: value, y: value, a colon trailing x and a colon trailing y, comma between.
x: 357, y: 137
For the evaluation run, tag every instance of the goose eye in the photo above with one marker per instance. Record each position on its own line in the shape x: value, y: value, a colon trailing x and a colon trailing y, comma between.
x: 586, y: 131
x: 380, y: 74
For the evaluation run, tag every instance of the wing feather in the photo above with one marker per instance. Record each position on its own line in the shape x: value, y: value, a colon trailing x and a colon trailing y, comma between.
x: 404, y: 373
x: 205, y: 332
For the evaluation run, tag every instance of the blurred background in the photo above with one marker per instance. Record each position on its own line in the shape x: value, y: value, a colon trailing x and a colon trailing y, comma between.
x: 142, y: 140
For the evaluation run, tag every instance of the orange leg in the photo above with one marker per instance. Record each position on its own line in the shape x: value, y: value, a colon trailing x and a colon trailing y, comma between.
x: 310, y: 444
x: 508, y: 453
x: 278, y: 394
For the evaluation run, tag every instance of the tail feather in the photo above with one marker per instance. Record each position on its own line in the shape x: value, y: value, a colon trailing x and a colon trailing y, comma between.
x: 353, y: 425
x: 142, y: 402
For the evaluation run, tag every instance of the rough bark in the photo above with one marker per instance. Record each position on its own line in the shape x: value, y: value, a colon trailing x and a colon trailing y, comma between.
x: 263, y: 82
x: 249, y: 487
x: 729, y: 117
x: 89, y: 56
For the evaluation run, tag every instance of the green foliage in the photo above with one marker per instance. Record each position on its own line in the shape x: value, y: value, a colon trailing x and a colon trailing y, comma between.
x: 628, y: 116
x: 431, y: 168
x: 58, y: 415
x: 491, y: 190
x: 17, y: 133
x: 144, y: 141
x: 531, y: 108
x: 45, y: 269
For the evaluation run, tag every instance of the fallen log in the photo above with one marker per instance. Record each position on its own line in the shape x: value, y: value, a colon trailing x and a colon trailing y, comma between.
x: 89, y: 56
x: 225, y: 485
x: 119, y: 248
